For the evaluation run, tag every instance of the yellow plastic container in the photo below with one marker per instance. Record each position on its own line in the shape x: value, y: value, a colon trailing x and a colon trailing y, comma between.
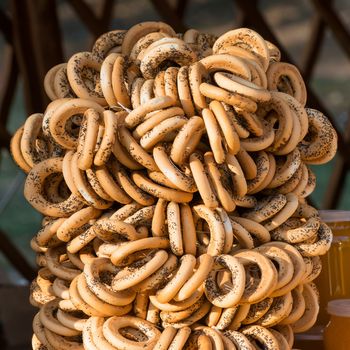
x: 334, y: 281
x: 337, y: 333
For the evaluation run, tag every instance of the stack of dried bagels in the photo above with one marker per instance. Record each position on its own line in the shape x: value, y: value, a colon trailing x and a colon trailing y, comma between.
x: 172, y: 172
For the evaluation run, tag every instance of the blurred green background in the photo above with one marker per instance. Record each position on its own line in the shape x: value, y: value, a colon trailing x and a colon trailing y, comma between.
x: 290, y: 20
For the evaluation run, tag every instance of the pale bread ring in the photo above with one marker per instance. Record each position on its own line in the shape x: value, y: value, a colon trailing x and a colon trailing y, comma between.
x: 257, y: 291
x: 158, y: 221
x: 137, y: 115
x: 155, y: 119
x: 217, y: 231
x: 257, y: 310
x: 57, y: 341
x: 266, y: 208
x: 285, y: 170
x: 181, y: 180
x: 215, y: 176
x: 106, y: 79
x: 322, y: 244
x: 202, y: 182
x: 174, y: 228
x: 240, y: 187
x: 75, y: 221
x: 92, y: 334
x: 282, y: 341
x: 259, y: 143
x: 247, y: 39
x: 86, y: 190
x: 188, y: 229
x: 241, y: 86
x: 58, y: 267
x: 103, y: 290
x: 15, y: 148
x: 178, y: 316
x: 135, y: 150
x: 182, y: 146
x: 184, y: 91
x: 142, y: 44
x: 105, y: 150
x: 226, y: 126
x: 316, y: 269
x: 129, y: 186
x: 238, y: 101
x: 165, y: 338
x: 125, y: 281
x: 323, y: 139
x: 111, y: 330
x: 298, y: 308
x: 311, y: 310
x: 159, y: 191
x: 235, y: 293
x: 262, y: 162
x: 126, y: 248
x: 287, y: 332
x: 60, y: 116
x: 262, y: 335
x: 205, y: 263
x: 156, y: 280
x: 279, y: 310
x: 165, y: 49
x: 161, y: 131
x: 101, y: 306
x: 140, y: 30
x: 214, y: 135
x: 159, y: 85
x: 295, y: 82
x: 108, y: 42
x: 75, y: 67
x: 118, y: 149
x: 247, y: 164
x: 61, y: 84
x: 88, y: 135
x: 285, y: 267
x: 239, y: 340
x: 135, y: 92
x: 298, y: 263
x: 30, y: 137
x: 33, y: 190
x: 147, y: 91
x: 196, y: 74
x: 49, y: 321
x: 174, y: 306
x: 169, y: 291
x: 225, y: 62
x: 284, y: 214
x: 49, y: 81
x: 296, y: 231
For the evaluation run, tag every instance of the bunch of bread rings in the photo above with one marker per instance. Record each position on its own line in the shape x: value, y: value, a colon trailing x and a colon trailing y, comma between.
x: 172, y: 172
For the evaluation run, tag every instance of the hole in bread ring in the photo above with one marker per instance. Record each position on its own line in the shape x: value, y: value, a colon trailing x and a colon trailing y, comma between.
x: 282, y: 75
x: 224, y: 298
x: 112, y: 327
x: 33, y: 190
x: 264, y: 280
x: 261, y: 335
x: 166, y: 49
x: 108, y: 42
x: 75, y: 71
x: 139, y: 30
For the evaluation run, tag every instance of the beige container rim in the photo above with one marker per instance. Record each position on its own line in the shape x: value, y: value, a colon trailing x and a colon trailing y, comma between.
x: 330, y: 216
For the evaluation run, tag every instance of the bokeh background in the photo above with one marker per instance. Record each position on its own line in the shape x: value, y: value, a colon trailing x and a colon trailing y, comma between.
x: 292, y: 22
